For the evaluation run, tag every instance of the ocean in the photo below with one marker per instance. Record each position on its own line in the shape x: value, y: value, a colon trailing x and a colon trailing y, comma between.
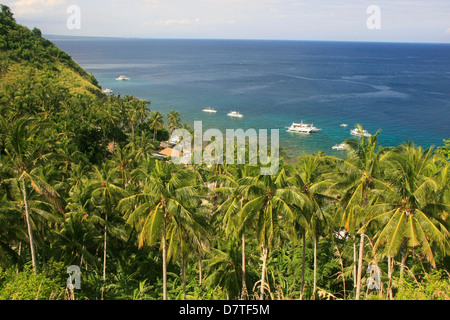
x: 401, y: 89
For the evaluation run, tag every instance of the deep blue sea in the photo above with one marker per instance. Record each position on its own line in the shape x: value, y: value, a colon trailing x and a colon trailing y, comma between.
x: 401, y: 89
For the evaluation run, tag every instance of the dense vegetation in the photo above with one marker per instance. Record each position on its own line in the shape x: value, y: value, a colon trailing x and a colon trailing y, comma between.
x: 79, y: 186
x: 25, y: 55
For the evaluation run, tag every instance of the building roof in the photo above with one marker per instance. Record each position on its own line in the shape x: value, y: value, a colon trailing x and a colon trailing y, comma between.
x: 169, y: 152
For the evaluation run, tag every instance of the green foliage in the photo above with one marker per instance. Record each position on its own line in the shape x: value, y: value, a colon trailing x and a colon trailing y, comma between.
x: 286, y: 269
x: 224, y: 271
x: 24, y: 45
x: 445, y: 149
x: 25, y: 285
x: 433, y: 286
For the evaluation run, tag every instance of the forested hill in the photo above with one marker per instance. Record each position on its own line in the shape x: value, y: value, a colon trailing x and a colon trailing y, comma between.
x: 26, y: 55
x: 43, y: 84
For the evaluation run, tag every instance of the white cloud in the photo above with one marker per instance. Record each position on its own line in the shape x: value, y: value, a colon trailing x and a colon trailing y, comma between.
x: 36, y: 7
x: 170, y: 22
x: 196, y: 21
x: 413, y: 20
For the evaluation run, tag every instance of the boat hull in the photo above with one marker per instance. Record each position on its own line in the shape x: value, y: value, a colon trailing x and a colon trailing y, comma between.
x: 299, y: 131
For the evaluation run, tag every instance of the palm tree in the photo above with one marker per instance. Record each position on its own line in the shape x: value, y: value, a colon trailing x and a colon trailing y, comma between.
x: 77, y: 235
x: 269, y: 210
x: 308, y: 178
x: 105, y: 196
x: 188, y: 236
x: 362, y: 171
x: 122, y: 161
x: 204, y: 185
x: 156, y: 122
x: 24, y: 149
x: 173, y: 120
x: 72, y: 240
x: 139, y: 148
x: 228, y: 212
x: 228, y: 185
x: 410, y: 211
x: 165, y: 203
x: 12, y: 233
x: 223, y: 268
x: 137, y: 113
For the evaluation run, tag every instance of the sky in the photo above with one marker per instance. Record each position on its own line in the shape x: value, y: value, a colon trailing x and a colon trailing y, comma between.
x: 327, y: 20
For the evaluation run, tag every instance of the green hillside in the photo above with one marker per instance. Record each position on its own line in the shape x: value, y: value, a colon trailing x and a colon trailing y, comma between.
x: 26, y: 55
x: 42, y: 82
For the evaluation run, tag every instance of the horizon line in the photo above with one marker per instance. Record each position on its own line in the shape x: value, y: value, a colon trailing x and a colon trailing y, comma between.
x: 241, y: 39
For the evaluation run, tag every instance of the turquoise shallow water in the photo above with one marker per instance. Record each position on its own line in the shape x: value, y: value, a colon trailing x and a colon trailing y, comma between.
x: 401, y: 89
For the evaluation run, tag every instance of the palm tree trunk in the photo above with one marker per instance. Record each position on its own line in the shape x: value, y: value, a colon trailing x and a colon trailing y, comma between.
x: 403, y: 264
x: 244, y: 285
x: 29, y: 227
x: 164, y: 254
x: 104, y: 253
x: 390, y: 277
x: 200, y: 275
x: 354, y: 262
x: 43, y: 247
x: 263, y: 272
x: 183, y: 276
x: 315, y: 268
x: 342, y: 269
x: 303, y: 265
x: 19, y: 251
x: 360, y: 261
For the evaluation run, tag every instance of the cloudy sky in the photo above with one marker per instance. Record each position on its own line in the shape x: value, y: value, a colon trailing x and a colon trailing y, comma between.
x: 341, y: 20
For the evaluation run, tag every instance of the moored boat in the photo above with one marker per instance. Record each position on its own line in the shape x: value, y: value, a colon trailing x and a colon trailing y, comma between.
x: 122, y: 78
x: 302, y: 128
x: 235, y: 114
x: 210, y: 110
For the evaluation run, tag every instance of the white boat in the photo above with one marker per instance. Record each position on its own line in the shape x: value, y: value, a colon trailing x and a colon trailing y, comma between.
x: 210, y: 110
x: 235, y: 114
x: 122, y: 78
x: 344, y: 125
x: 302, y: 128
x: 357, y: 132
x: 340, y: 147
x: 108, y: 91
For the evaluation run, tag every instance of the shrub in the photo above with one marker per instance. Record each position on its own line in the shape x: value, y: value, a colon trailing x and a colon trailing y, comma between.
x: 433, y: 286
x: 25, y: 285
